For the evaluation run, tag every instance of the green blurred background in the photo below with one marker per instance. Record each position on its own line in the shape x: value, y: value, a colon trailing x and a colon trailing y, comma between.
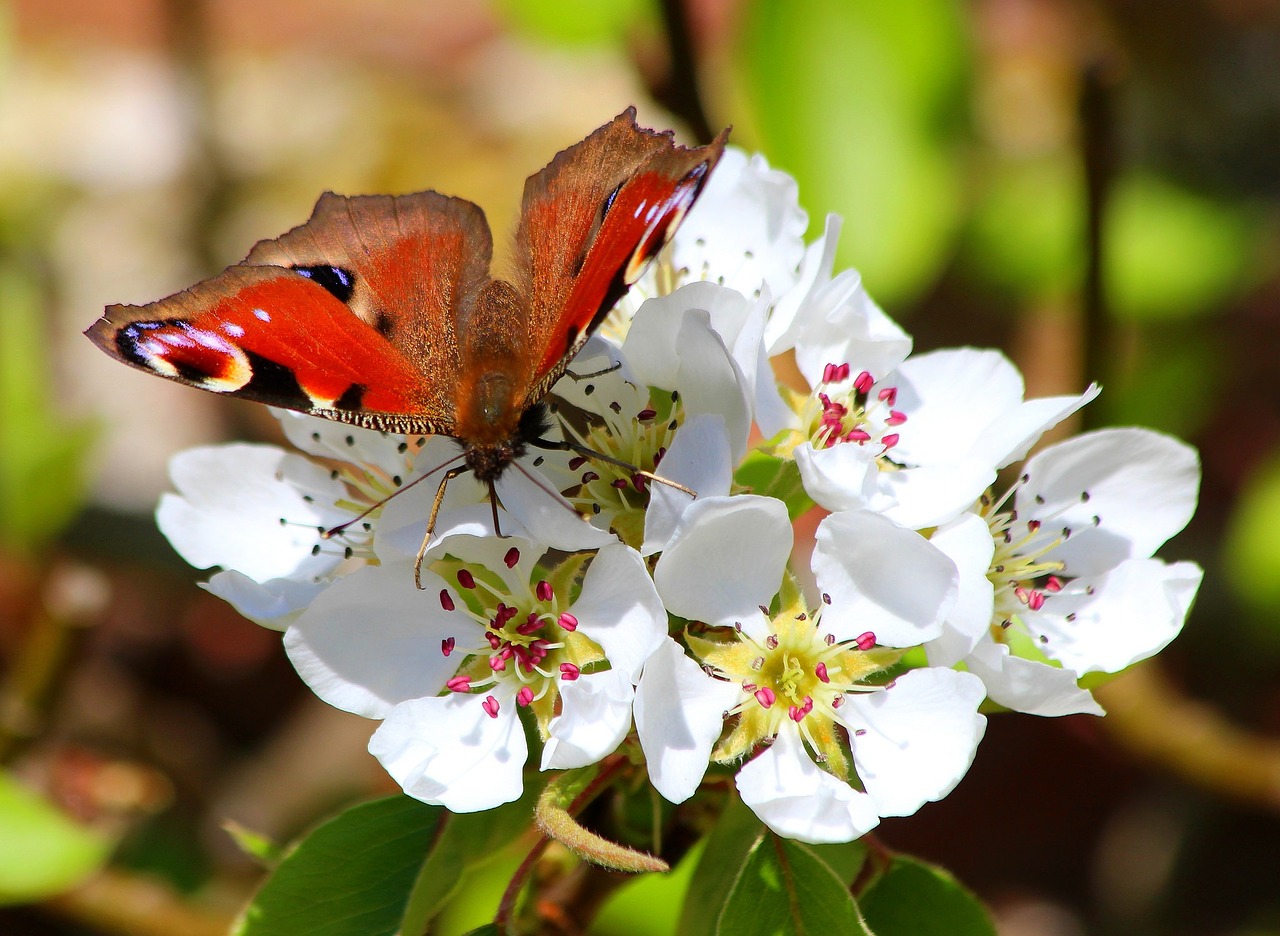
x: 1092, y: 187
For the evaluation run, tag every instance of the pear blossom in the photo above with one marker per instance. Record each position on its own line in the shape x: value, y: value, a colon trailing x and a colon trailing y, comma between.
x: 449, y: 667
x: 677, y: 389
x: 922, y: 442
x: 260, y: 512
x: 810, y: 683
x: 1056, y: 576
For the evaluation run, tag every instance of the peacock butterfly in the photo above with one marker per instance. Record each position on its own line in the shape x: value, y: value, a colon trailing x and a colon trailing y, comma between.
x: 381, y: 310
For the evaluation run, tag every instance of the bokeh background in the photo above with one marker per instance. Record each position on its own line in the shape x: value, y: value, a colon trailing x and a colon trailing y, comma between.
x: 1093, y: 187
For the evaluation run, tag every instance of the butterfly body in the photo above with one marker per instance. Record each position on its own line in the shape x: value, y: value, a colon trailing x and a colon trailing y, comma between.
x: 381, y: 311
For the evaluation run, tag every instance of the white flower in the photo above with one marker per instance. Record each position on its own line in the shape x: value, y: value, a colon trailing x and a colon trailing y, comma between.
x: 793, y: 678
x: 449, y: 667
x: 259, y: 512
x: 912, y: 743
x: 1056, y: 578
x: 922, y: 443
x: 677, y: 407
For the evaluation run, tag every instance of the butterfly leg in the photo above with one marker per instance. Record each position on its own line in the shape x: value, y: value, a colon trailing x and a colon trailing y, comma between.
x: 565, y: 445
x: 431, y: 520
x: 493, y: 504
x: 616, y: 365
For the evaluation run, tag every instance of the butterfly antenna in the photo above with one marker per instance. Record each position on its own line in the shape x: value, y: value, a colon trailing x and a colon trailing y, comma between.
x: 566, y: 446
x: 431, y: 520
x: 329, y: 534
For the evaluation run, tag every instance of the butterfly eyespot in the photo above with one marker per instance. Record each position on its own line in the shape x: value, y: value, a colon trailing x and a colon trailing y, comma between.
x: 610, y: 199
x: 336, y: 281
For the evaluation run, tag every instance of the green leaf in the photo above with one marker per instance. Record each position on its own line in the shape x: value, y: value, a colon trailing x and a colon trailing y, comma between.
x: 772, y: 476
x: 1172, y: 253
x: 649, y: 904
x: 465, y: 840
x: 730, y: 844
x: 351, y: 876
x: 252, y: 843
x: 917, y: 899
x: 489, y: 929
x: 863, y: 102
x: 42, y: 852
x: 785, y: 889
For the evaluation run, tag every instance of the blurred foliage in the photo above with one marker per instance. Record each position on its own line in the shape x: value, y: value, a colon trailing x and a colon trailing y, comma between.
x: 42, y: 851
x: 574, y: 22
x: 42, y: 455
x: 1172, y: 253
x: 864, y: 103
x: 1251, y: 552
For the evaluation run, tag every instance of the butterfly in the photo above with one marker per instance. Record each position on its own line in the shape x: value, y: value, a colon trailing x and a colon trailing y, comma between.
x: 381, y: 311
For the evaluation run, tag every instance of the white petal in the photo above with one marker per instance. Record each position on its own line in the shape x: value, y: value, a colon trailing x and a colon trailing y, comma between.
x: 372, y: 640
x: 967, y: 542
x: 595, y: 717
x: 1140, y: 485
x: 948, y: 396
x: 585, y: 393
x: 842, y: 477
x: 529, y: 497
x: 449, y: 752
x: 274, y: 603
x: 881, y: 578
x: 468, y: 537
x: 852, y: 330
x: 819, y: 260
x: 679, y: 712
x: 917, y: 738
x: 725, y: 559
x: 344, y: 442
x: 797, y: 799
x: 746, y: 228
x: 230, y: 505
x: 671, y: 345
x: 1028, y: 685
x: 1119, y: 618
x: 403, y: 522
x: 1010, y: 437
x: 934, y: 494
x: 699, y: 459
x: 619, y: 609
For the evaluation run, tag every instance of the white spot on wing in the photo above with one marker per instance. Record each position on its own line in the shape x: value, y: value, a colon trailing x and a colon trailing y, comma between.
x: 262, y: 314
x: 232, y: 329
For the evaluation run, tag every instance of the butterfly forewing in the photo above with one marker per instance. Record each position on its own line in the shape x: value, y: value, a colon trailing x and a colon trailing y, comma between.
x: 265, y: 334
x: 591, y: 221
x: 349, y: 316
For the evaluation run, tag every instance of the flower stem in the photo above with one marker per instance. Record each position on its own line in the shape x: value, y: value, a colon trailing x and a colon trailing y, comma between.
x: 565, y: 797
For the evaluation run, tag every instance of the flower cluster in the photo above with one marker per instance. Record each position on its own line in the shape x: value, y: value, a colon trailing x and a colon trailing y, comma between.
x: 949, y: 568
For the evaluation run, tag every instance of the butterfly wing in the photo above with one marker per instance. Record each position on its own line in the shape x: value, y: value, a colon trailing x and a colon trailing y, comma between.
x: 592, y: 220
x: 349, y: 316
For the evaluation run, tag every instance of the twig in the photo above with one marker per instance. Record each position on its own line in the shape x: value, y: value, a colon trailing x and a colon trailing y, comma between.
x: 1150, y: 717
